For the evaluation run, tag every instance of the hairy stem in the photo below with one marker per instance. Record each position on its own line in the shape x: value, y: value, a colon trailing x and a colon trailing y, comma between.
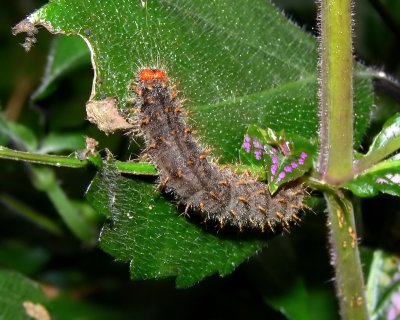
x: 336, y: 92
x: 345, y: 258
x: 335, y: 163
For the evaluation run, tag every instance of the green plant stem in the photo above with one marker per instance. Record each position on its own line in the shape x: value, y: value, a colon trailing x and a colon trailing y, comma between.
x: 335, y: 163
x: 135, y: 168
x: 139, y: 168
x: 44, y: 179
x: 41, y: 220
x: 71, y: 215
x: 345, y: 258
x: 46, y: 159
x: 336, y: 90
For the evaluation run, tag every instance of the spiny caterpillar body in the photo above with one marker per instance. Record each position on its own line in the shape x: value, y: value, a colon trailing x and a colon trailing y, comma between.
x: 204, y: 188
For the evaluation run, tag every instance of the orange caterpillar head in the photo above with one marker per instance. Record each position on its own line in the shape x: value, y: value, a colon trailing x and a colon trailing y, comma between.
x: 152, y: 74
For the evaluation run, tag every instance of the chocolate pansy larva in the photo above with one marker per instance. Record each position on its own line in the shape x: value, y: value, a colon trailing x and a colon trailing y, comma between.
x: 201, y: 186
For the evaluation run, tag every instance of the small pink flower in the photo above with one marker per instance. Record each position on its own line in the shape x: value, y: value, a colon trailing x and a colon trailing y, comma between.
x: 258, y: 154
x: 288, y: 168
x: 281, y: 176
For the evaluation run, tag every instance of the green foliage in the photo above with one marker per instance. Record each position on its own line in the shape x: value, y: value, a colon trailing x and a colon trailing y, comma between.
x: 22, y: 298
x: 57, y: 142
x: 17, y: 294
x: 18, y: 256
x: 239, y: 63
x: 227, y: 60
x: 283, y: 158
x: 44, y: 179
x: 145, y: 228
x: 20, y: 134
x: 222, y: 70
x: 383, y: 286
x: 380, y: 176
x: 390, y: 135
x: 383, y: 177
x: 300, y: 302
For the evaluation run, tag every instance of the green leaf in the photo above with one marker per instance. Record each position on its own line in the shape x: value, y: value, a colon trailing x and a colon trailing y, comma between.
x: 385, y: 143
x: 378, y: 176
x: 67, y: 54
x: 383, y: 286
x: 238, y: 62
x: 20, y: 135
x: 390, y: 134
x: 383, y: 177
x: 19, y: 294
x: 17, y: 255
x: 146, y: 230
x: 58, y: 142
x: 300, y: 302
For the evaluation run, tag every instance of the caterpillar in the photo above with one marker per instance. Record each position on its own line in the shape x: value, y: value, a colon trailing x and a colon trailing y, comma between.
x: 203, y: 187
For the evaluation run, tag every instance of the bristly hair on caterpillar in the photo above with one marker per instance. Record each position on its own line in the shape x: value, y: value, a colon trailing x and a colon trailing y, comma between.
x: 204, y: 188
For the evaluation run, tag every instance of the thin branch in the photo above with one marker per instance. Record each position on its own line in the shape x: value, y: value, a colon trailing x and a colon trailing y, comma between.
x: 138, y: 168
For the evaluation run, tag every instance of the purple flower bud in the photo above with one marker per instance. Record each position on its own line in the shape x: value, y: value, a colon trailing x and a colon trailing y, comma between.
x: 258, y: 154
x: 285, y: 148
x: 257, y: 144
x: 246, y: 146
x: 281, y: 176
x: 288, y: 168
